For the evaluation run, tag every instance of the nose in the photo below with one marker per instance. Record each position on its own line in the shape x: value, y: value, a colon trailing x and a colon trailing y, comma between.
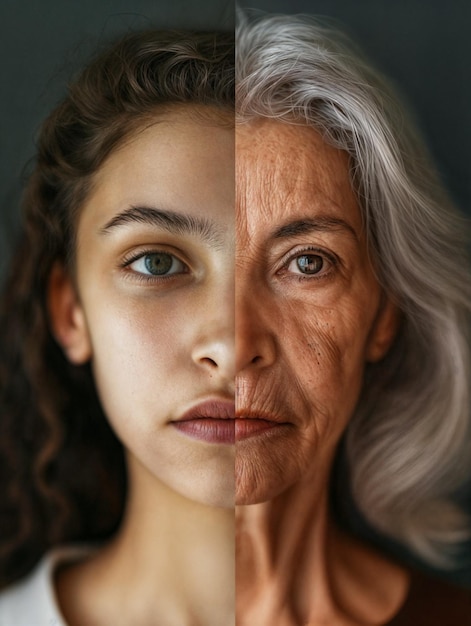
x: 214, y: 348
x: 215, y: 353
x: 254, y: 340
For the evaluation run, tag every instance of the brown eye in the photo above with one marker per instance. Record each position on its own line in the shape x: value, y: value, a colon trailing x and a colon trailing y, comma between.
x: 307, y: 264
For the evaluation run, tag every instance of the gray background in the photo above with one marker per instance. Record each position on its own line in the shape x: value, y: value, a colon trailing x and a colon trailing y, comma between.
x: 42, y: 43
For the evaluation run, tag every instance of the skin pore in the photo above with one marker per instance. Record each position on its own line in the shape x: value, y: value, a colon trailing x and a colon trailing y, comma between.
x: 154, y: 312
x: 309, y: 315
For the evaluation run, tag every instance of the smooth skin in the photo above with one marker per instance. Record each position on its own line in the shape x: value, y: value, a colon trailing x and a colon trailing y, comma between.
x: 310, y: 315
x: 152, y: 308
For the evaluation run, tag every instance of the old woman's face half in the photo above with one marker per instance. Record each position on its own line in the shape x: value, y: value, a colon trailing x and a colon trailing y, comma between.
x: 310, y: 313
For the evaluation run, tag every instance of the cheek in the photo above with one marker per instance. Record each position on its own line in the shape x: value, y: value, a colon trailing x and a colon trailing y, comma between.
x: 314, y: 381
x: 326, y: 352
x: 135, y: 357
x: 144, y: 375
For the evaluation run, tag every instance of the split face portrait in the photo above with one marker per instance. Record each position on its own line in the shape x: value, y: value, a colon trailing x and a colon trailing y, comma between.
x: 239, y: 294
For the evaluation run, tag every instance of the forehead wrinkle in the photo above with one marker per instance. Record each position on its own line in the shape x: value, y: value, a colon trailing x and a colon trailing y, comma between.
x: 289, y: 181
x: 258, y: 196
x: 281, y: 180
x: 297, y: 152
x: 311, y: 186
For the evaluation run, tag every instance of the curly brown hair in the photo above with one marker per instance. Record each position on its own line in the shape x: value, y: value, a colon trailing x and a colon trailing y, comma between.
x: 62, y: 469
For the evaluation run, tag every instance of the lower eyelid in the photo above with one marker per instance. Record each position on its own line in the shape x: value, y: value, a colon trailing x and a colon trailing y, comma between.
x: 151, y: 279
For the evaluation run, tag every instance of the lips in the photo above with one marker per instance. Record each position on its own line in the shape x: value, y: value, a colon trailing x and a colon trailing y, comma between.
x: 216, y: 409
x: 216, y: 421
x: 211, y: 421
x: 249, y: 424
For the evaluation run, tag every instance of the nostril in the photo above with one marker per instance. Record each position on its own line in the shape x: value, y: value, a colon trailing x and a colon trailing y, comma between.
x: 208, y: 361
x: 256, y: 359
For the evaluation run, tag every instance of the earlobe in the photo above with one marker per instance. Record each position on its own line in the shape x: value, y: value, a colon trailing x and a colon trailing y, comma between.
x: 384, y: 330
x: 68, y: 324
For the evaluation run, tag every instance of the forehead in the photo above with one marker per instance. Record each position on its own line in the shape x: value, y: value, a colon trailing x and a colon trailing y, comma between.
x: 286, y: 170
x: 178, y: 143
x: 177, y: 162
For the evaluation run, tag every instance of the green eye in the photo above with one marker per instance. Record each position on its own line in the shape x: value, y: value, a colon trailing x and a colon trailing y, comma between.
x: 158, y: 264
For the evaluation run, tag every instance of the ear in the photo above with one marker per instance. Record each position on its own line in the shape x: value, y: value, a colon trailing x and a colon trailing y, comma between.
x: 383, y: 331
x: 66, y: 315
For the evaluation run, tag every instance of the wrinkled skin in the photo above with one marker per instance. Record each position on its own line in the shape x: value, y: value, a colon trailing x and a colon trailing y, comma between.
x: 302, y: 340
x: 309, y: 315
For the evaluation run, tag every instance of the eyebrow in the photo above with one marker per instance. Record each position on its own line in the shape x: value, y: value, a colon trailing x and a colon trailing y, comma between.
x: 322, y: 223
x: 171, y: 221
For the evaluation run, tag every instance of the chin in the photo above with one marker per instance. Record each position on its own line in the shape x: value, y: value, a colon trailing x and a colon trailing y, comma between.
x: 217, y: 494
x: 267, y: 466
x: 256, y: 482
x: 202, y: 481
x: 211, y: 485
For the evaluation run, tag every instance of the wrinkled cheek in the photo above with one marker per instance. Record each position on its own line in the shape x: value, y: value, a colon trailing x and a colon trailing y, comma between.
x: 315, y: 356
x: 329, y: 369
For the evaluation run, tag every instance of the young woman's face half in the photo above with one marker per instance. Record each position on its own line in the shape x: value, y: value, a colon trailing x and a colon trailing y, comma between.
x: 155, y: 305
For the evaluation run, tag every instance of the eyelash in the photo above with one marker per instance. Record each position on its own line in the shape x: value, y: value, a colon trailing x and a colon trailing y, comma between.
x: 323, y: 274
x: 150, y: 278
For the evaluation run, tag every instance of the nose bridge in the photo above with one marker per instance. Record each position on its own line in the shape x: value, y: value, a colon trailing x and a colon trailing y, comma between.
x: 255, y: 344
x: 214, y: 343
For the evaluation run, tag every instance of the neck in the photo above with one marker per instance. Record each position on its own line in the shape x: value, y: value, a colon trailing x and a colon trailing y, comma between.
x: 293, y: 566
x: 172, y: 562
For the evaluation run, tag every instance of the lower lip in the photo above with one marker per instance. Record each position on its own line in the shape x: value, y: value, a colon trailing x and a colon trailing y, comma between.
x: 208, y: 429
x: 246, y: 427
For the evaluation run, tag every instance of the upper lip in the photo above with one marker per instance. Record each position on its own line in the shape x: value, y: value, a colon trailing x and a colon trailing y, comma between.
x: 215, y: 409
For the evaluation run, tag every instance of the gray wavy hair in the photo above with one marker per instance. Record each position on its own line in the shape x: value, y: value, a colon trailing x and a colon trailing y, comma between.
x: 408, y: 443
